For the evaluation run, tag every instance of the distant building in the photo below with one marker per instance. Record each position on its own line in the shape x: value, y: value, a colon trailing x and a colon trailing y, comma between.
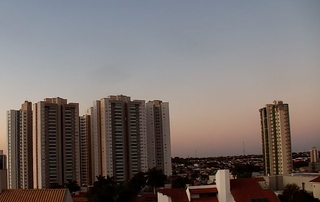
x: 314, y: 155
x: 314, y: 164
x: 158, y: 130
x: 276, y: 138
x: 56, y: 142
x: 20, y: 147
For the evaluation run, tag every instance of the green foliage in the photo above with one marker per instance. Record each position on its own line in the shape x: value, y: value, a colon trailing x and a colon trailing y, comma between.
x: 107, y: 190
x: 156, y: 178
x: 138, y: 182
x: 179, y: 182
x: 292, y: 193
x: 243, y: 170
x: 290, y: 190
x: 72, y: 185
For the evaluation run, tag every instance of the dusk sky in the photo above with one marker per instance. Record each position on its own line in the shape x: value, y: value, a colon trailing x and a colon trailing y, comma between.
x: 216, y: 62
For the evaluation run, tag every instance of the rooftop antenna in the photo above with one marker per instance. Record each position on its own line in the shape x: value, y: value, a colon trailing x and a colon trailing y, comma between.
x: 195, y: 153
x: 244, y: 151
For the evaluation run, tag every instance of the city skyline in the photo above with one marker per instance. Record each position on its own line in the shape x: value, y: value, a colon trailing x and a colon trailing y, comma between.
x: 216, y: 63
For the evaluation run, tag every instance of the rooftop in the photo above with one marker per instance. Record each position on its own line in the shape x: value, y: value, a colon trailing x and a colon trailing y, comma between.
x: 33, y: 195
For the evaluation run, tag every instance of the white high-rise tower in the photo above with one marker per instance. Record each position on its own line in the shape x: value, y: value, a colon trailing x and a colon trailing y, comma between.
x: 158, y: 130
x: 276, y: 138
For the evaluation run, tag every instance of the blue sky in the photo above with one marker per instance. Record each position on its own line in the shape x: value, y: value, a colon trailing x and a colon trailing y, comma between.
x: 216, y: 62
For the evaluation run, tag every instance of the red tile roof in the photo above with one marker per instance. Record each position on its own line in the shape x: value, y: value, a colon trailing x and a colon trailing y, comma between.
x: 176, y: 195
x: 316, y: 179
x: 33, y: 195
x: 243, y: 190
x: 203, y: 191
x: 79, y: 198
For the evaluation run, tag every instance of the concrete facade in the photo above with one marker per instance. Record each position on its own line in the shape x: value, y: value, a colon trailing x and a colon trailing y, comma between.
x: 13, y: 131
x: 3, y: 171
x: 123, y: 137
x: 20, y: 147
x: 276, y: 138
x: 96, y: 166
x: 56, y: 150
x: 159, y: 138
x: 85, y: 150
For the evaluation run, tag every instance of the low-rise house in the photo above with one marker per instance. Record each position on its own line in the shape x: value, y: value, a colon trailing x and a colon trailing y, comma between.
x: 225, y: 190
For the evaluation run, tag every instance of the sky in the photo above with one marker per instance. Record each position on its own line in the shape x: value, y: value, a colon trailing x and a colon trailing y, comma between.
x: 216, y: 62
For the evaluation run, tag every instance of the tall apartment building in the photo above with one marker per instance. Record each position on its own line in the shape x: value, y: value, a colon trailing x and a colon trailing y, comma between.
x: 20, y: 146
x: 13, y: 131
x: 314, y: 164
x: 314, y: 155
x: 158, y: 130
x: 56, y: 142
x: 26, y: 148
x: 276, y: 138
x: 85, y: 150
x: 123, y: 137
x: 96, y: 167
x: 3, y: 171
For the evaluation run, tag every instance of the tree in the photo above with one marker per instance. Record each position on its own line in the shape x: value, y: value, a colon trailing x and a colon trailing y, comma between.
x: 242, y: 170
x: 106, y: 189
x: 138, y: 182
x: 72, y: 185
x: 292, y: 193
x: 290, y: 190
x: 179, y: 182
x: 156, y: 178
x: 103, y: 190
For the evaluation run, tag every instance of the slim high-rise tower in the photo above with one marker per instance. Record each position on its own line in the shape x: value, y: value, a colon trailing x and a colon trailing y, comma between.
x: 56, y: 142
x: 158, y: 130
x: 3, y: 171
x: 276, y: 138
x: 96, y: 168
x: 13, y: 130
x: 26, y: 148
x: 85, y: 150
x: 20, y: 157
x: 123, y: 137
x: 314, y: 155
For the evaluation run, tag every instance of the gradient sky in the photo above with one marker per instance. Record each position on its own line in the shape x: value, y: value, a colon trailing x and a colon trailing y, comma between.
x: 216, y: 62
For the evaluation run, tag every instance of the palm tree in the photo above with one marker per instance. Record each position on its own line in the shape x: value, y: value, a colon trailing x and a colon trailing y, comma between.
x: 72, y: 185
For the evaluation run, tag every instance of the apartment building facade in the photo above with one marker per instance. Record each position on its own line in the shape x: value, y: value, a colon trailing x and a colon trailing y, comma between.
x: 123, y: 137
x: 276, y: 138
x: 85, y: 150
x: 56, y: 142
x: 159, y: 141
x: 20, y: 147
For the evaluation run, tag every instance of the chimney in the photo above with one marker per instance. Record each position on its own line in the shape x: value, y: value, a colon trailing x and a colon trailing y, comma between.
x: 3, y: 171
x: 223, y: 186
